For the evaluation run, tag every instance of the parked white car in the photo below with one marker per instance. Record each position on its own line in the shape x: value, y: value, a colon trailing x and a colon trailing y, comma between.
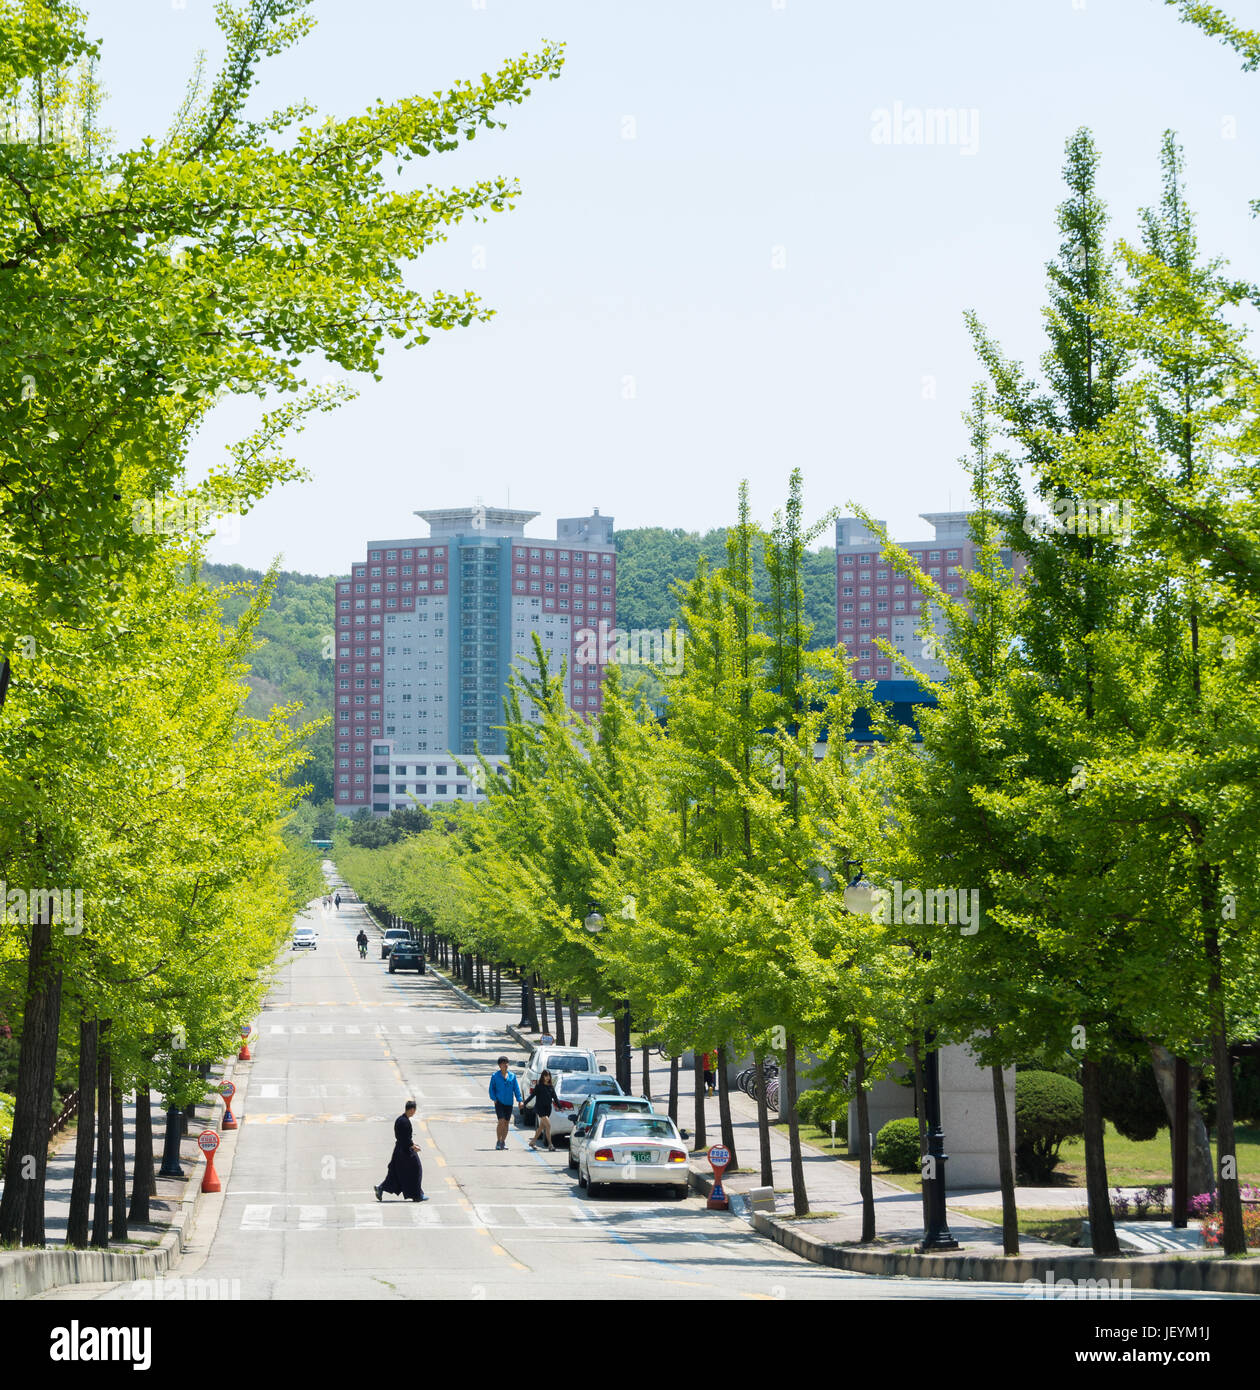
x: 634, y: 1151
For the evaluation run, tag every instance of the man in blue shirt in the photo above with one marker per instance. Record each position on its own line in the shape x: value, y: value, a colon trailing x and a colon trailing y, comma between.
x: 503, y: 1086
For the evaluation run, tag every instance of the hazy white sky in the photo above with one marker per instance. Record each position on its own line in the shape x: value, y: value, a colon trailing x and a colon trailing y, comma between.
x: 730, y: 257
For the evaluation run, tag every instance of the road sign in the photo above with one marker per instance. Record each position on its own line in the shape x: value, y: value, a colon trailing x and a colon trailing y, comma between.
x: 720, y: 1158
x: 207, y: 1141
x: 227, y: 1091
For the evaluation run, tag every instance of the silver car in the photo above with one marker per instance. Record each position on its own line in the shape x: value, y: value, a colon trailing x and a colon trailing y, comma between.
x: 634, y: 1151
x: 571, y: 1091
x: 304, y: 939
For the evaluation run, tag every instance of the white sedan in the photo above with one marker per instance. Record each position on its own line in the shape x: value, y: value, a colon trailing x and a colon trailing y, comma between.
x: 304, y: 939
x: 634, y: 1150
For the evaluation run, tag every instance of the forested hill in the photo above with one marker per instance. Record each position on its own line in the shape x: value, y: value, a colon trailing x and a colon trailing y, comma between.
x: 294, y: 662
x: 650, y: 560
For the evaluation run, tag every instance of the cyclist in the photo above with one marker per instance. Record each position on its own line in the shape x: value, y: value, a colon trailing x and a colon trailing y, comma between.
x: 362, y: 942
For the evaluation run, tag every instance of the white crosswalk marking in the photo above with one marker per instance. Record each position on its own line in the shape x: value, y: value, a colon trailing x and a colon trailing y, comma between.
x: 268, y: 1091
x: 256, y: 1218
x: 368, y: 1217
x: 299, y: 1028
x: 406, y: 1028
x: 352, y: 1027
x: 426, y: 1214
x: 326, y: 1028
x: 430, y: 1028
x: 312, y: 1218
x: 277, y: 1028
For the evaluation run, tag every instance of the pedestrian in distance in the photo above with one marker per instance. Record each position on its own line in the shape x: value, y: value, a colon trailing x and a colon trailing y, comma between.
x: 503, y: 1087
x: 406, y: 1173
x: 543, y: 1097
x: 337, y: 900
x: 709, y: 1064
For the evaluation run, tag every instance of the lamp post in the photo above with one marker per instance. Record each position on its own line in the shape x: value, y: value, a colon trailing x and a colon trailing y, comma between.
x: 937, y: 1236
x: 170, y: 1145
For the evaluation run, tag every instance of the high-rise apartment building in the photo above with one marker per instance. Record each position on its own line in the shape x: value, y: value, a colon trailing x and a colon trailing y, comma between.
x: 428, y: 630
x: 873, y: 600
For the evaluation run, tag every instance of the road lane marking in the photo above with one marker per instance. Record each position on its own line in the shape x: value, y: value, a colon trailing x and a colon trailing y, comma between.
x: 312, y: 1218
x: 256, y: 1218
x: 368, y: 1216
x: 268, y: 1092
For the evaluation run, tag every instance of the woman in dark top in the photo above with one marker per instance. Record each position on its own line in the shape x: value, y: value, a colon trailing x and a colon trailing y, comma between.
x: 406, y: 1173
x: 543, y: 1096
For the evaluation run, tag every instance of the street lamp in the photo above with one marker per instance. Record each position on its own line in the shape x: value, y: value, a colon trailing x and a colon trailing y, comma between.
x: 593, y: 921
x: 623, y: 1052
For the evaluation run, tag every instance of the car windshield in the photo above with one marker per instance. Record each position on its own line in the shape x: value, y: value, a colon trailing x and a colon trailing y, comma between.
x: 398, y: 932
x: 623, y: 1107
x: 578, y: 1063
x: 588, y: 1085
x: 305, y: 931
x: 637, y: 1129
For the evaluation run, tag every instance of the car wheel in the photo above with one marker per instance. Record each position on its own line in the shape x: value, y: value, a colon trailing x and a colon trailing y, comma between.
x: 581, y: 1178
x: 680, y: 1192
x: 391, y: 967
x: 573, y: 1163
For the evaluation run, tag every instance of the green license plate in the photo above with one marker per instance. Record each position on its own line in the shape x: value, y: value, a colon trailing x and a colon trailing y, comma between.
x: 641, y: 1155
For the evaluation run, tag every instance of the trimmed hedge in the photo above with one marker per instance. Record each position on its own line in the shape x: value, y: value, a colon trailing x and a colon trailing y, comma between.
x: 1048, y: 1109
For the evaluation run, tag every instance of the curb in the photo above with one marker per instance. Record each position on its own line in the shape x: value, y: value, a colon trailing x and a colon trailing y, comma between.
x: 1206, y: 1276
x: 451, y: 985
x: 25, y: 1273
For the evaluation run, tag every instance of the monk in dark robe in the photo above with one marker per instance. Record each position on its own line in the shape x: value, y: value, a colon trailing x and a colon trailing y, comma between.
x: 406, y: 1173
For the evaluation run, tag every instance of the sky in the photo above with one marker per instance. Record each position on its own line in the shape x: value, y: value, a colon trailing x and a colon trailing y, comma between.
x: 731, y: 256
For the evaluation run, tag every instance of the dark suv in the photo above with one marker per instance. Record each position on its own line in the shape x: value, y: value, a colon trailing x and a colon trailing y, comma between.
x: 406, y: 955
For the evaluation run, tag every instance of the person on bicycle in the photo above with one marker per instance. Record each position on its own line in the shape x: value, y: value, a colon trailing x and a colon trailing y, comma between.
x: 362, y: 942
x: 543, y: 1095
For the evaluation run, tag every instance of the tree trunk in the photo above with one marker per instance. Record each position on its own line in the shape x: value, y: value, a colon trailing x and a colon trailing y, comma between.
x: 85, y: 1136
x: 724, y: 1103
x: 647, y: 1074
x: 1202, y: 1176
x: 1102, y: 1227
x: 787, y: 1098
x: 22, y: 1207
x: 1006, y: 1168
x: 699, y: 1141
x: 559, y: 1003
x: 864, y: 1139
x: 100, y: 1209
x: 673, y: 1089
x: 763, y: 1120
x: 118, y: 1125
x: 532, y: 1016
x: 143, y: 1181
x: 542, y: 1007
x: 573, y: 1020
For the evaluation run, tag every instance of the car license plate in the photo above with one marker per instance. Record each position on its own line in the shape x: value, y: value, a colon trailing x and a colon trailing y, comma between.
x: 641, y: 1155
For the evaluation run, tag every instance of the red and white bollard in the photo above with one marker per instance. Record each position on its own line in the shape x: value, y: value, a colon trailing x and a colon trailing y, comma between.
x: 720, y: 1160
x: 227, y: 1091
x: 207, y: 1142
x: 243, y: 1055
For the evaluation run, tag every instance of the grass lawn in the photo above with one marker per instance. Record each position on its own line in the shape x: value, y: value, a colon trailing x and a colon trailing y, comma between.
x: 1150, y: 1162
x: 1052, y: 1224
x: 1129, y: 1164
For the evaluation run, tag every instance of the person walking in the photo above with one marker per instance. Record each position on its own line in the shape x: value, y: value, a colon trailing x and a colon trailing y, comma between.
x: 406, y: 1173
x: 337, y: 900
x: 503, y: 1086
x: 543, y: 1097
x: 709, y: 1064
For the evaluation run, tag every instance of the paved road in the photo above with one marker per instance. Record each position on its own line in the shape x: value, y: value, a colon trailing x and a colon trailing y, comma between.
x: 341, y: 1045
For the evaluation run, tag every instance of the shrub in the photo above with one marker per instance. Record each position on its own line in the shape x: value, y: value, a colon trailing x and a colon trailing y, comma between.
x: 1048, y: 1109
x: 806, y: 1104
x: 897, y: 1146
x: 821, y: 1107
x: 1131, y: 1100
